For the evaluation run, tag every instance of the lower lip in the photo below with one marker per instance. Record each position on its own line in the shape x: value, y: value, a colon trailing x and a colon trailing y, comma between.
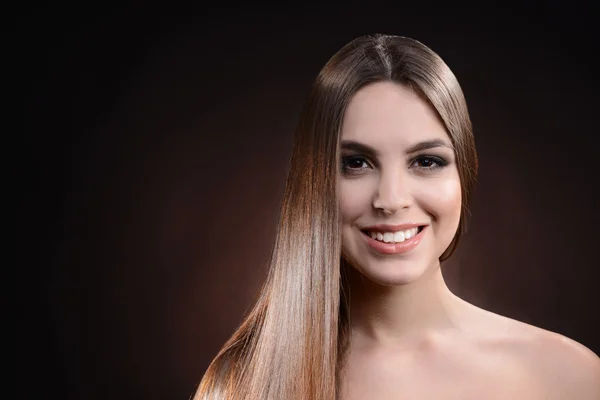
x: 394, y: 248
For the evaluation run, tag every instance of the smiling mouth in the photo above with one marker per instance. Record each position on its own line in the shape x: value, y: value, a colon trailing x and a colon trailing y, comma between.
x: 393, y: 237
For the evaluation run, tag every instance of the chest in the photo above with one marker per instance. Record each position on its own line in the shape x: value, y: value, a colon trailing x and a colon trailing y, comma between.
x: 446, y: 376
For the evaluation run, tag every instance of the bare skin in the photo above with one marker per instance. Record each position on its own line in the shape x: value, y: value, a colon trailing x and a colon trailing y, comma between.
x: 410, y: 336
x: 460, y: 352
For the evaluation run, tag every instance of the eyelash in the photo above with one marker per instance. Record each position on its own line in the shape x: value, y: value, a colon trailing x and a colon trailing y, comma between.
x: 437, y: 161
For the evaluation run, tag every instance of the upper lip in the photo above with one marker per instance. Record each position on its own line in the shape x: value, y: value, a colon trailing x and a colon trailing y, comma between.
x: 392, y: 228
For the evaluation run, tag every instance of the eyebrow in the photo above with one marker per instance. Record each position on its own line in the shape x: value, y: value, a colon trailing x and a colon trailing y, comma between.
x: 371, y: 152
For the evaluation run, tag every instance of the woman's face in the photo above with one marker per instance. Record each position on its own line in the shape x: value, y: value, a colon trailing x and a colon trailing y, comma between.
x: 399, y: 188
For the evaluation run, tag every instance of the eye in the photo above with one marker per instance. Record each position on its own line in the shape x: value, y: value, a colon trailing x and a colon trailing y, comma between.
x: 427, y: 162
x: 354, y: 164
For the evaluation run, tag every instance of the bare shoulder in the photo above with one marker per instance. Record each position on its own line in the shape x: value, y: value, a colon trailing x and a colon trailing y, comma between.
x: 571, y: 365
x: 566, y: 367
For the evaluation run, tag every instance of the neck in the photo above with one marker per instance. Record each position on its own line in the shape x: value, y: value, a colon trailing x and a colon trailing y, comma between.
x: 407, y: 313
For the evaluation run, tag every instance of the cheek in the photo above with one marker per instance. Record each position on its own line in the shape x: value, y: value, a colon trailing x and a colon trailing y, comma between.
x: 443, y: 200
x: 354, y: 198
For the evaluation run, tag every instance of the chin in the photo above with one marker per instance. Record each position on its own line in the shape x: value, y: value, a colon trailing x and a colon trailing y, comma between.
x: 386, y: 270
x: 392, y: 272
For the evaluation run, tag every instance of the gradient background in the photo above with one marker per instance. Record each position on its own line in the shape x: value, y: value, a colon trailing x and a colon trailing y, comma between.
x: 156, y: 151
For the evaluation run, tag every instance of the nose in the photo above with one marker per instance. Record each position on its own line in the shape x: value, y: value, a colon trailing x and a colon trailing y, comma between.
x: 393, y: 192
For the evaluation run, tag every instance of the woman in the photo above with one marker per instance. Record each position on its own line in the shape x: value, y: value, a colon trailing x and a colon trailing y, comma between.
x: 355, y: 305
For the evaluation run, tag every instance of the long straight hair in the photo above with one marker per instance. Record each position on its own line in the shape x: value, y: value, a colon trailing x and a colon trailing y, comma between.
x: 290, y: 345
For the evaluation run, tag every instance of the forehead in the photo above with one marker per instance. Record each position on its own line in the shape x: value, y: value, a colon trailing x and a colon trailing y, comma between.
x: 387, y: 114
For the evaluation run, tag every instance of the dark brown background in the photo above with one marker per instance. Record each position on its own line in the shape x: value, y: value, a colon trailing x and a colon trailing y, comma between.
x: 156, y: 153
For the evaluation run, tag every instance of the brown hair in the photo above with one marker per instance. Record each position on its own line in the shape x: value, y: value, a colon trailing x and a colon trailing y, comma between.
x: 290, y: 345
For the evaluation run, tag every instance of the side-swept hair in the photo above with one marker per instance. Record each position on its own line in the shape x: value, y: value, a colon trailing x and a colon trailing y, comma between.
x: 291, y: 343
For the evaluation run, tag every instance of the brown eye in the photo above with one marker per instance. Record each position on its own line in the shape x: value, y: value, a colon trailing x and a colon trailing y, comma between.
x: 426, y: 162
x: 429, y: 162
x: 354, y: 164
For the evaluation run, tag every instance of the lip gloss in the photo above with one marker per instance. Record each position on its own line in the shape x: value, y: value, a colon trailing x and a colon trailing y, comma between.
x: 395, y: 248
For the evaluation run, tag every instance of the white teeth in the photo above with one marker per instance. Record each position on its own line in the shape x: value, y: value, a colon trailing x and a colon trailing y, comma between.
x: 394, y: 237
x: 399, y: 236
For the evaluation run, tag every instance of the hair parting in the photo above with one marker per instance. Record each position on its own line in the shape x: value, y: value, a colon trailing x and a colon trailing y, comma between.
x: 292, y: 343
